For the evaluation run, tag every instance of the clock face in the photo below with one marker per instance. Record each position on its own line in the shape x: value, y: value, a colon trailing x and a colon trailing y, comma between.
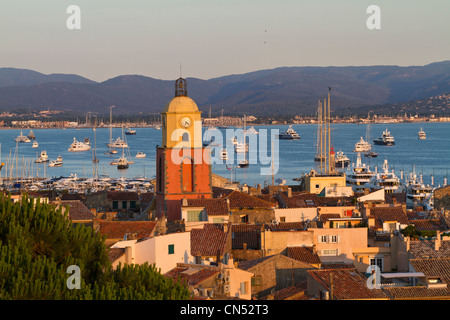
x: 186, y: 122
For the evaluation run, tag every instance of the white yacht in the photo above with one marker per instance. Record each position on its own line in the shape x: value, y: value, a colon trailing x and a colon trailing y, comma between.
x: 43, y: 157
x: 35, y: 144
x: 359, y: 175
x: 362, y: 146
x: 421, y: 135
x: 289, y: 134
x: 386, y: 179
x: 56, y: 163
x: 252, y: 130
x: 119, y: 143
x: 417, y: 193
x: 341, y: 160
x: 241, y: 147
x: 78, y: 146
x: 140, y: 155
x: 21, y: 138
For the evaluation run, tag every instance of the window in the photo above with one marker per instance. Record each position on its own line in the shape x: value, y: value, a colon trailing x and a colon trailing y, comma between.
x: 124, y: 204
x: 194, y: 215
x: 115, y: 204
x: 335, y: 239
x: 323, y: 239
x: 377, y: 262
x: 132, y: 204
x: 330, y: 252
x: 244, y: 287
x: 317, y: 186
x: 282, y: 219
x: 171, y: 248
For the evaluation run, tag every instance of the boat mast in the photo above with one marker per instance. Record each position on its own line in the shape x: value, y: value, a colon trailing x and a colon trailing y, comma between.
x: 329, y: 133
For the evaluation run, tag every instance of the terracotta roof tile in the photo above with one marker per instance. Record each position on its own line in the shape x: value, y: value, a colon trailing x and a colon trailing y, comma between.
x: 209, y: 240
x: 295, y: 292
x: 286, y: 226
x: 430, y: 268
x: 213, y: 206
x: 348, y: 284
x: 433, y: 267
x: 115, y: 253
x: 248, y: 264
x: 192, y: 275
x: 326, y: 216
x: 118, y: 229
x: 240, y: 200
x: 425, y: 248
x: 303, y: 254
x: 299, y: 200
x: 383, y: 214
x: 428, y: 224
x: 77, y: 210
x: 246, y: 233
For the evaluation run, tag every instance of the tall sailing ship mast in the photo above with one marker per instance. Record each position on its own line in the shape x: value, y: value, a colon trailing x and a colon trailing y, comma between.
x: 324, y: 163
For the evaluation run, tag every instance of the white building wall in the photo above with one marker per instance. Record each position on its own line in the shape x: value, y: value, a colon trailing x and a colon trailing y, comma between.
x: 296, y: 214
x: 155, y: 250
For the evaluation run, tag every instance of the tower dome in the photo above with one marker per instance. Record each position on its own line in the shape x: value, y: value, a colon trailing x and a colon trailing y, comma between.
x: 181, y: 103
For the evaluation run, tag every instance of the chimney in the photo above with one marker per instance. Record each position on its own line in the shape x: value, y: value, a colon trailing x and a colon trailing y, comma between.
x: 437, y: 242
x: 129, y: 259
x: 408, y: 243
x: 289, y: 192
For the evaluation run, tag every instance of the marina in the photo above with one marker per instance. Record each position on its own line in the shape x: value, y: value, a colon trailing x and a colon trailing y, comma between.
x: 429, y: 156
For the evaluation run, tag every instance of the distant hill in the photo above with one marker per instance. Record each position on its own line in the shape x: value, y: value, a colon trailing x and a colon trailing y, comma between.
x: 284, y: 90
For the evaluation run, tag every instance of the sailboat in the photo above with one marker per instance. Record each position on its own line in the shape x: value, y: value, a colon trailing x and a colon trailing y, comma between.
x: 94, y: 151
x: 111, y: 150
x: 122, y: 163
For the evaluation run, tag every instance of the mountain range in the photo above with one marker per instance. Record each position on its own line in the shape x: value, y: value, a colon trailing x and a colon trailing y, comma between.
x: 284, y: 90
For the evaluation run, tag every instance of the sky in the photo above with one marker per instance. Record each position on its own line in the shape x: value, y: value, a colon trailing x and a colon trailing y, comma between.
x: 213, y: 38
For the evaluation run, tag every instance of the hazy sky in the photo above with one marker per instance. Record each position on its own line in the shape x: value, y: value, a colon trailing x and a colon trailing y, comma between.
x: 212, y: 38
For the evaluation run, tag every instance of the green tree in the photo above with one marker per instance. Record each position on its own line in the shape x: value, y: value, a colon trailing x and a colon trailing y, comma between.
x: 37, y: 245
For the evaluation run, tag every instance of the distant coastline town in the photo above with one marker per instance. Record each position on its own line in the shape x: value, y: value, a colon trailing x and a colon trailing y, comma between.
x: 49, y: 119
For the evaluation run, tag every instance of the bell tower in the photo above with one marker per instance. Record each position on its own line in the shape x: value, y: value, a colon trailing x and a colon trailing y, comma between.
x: 183, y: 167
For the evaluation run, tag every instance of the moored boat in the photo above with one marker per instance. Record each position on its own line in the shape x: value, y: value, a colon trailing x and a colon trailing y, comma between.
x: 21, y: 138
x: 31, y: 135
x: 386, y: 139
x: 362, y: 146
x: 421, y: 135
x: 78, y: 146
x: 43, y: 157
x: 56, y: 163
x: 289, y: 134
x: 140, y: 155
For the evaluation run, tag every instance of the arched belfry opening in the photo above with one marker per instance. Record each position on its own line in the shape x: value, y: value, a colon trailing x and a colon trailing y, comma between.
x: 180, y: 88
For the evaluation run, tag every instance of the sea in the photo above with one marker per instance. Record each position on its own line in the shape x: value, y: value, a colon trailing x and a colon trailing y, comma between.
x: 290, y: 158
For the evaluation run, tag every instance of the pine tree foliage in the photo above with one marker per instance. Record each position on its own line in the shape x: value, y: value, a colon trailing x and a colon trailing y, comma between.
x: 38, y: 243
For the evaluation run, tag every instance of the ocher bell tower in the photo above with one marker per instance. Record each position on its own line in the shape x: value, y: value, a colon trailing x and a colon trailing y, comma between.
x: 183, y: 167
